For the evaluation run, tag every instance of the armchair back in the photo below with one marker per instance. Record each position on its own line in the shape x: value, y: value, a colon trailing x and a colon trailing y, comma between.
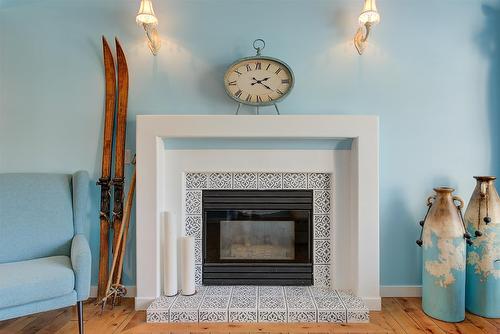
x: 40, y: 214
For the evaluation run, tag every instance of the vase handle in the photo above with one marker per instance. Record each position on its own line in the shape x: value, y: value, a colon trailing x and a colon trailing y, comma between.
x: 430, y: 200
x: 460, y: 200
x: 483, y: 189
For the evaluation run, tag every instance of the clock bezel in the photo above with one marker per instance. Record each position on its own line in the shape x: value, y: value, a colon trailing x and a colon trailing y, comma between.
x: 266, y: 103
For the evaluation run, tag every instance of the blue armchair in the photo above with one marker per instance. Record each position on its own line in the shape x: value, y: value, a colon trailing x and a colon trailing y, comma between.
x: 44, y: 253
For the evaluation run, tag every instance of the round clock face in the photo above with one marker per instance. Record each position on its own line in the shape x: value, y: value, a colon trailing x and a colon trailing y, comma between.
x: 258, y: 81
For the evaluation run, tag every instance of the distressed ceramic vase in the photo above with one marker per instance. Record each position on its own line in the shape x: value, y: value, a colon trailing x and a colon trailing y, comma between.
x: 443, y: 255
x: 482, y: 219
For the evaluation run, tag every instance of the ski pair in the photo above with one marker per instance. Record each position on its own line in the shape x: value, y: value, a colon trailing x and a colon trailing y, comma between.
x: 115, y: 100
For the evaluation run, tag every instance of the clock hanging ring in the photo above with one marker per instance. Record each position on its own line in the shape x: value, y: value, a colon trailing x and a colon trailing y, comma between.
x: 258, y: 81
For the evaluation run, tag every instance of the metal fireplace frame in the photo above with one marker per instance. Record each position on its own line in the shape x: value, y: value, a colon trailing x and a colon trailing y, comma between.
x: 258, y: 272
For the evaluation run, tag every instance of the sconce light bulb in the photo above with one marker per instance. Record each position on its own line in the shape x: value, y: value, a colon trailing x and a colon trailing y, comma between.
x: 369, y: 14
x: 146, y: 14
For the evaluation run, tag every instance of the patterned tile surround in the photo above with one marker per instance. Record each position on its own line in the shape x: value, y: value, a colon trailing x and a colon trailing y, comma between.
x: 263, y: 303
x: 260, y: 304
x: 323, y: 227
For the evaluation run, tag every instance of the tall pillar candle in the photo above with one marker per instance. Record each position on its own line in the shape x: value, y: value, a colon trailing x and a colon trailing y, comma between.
x: 187, y: 266
x: 169, y: 254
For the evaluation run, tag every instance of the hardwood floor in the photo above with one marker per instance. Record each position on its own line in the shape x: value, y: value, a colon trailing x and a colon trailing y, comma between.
x: 398, y: 315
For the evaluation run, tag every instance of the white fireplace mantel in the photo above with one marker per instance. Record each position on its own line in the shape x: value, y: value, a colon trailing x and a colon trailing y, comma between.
x: 153, y: 131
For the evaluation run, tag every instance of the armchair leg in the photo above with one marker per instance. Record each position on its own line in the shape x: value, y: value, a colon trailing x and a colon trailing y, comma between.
x: 79, y: 309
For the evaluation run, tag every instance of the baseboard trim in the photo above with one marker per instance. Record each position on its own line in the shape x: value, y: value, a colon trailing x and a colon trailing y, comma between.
x: 131, y: 291
x: 401, y: 291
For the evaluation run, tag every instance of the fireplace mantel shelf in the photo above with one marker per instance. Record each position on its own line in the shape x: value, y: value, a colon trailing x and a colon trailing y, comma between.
x: 155, y: 187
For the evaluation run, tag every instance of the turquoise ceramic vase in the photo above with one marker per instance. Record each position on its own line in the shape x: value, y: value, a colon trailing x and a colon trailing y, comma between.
x: 482, y: 219
x: 443, y: 255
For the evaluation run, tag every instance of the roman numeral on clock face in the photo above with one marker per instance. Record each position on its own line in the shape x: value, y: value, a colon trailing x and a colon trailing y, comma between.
x: 237, y: 72
x: 249, y: 98
x: 278, y: 71
x: 279, y: 92
x: 232, y: 83
x: 285, y: 81
x: 238, y: 93
x: 248, y: 68
x: 258, y: 66
x: 259, y: 99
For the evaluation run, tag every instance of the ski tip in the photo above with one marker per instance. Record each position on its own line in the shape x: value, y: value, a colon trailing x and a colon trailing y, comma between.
x: 104, y: 41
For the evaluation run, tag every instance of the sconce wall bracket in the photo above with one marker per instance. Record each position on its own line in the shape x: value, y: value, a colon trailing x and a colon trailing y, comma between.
x: 361, y: 37
x: 154, y: 41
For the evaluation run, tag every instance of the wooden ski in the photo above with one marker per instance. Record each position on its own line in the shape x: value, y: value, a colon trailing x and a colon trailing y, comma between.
x: 105, y: 179
x: 121, y: 127
x: 114, y: 289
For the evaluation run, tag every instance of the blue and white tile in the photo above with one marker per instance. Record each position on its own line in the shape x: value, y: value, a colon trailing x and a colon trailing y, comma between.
x: 271, y: 291
x: 198, y: 275
x: 322, y: 252
x: 302, y: 315
x: 185, y: 308
x: 350, y: 300
x: 220, y: 181
x: 294, y: 181
x: 157, y: 316
x: 183, y: 316
x: 245, y: 290
x: 211, y: 302
x: 243, y: 302
x: 322, y: 202
x: 321, y: 274
x: 319, y: 181
x: 245, y: 181
x: 322, y: 226
x: 270, y: 181
x: 218, y: 290
x: 213, y: 316
x: 358, y: 316
x: 193, y: 202
x: 162, y: 303
x: 192, y: 225
x: 243, y: 315
x: 323, y: 292
x: 332, y: 316
x: 214, y: 308
x: 196, y: 181
x: 272, y: 316
x: 197, y: 251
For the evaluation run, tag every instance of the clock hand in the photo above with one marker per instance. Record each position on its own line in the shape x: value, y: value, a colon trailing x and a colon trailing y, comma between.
x: 265, y: 85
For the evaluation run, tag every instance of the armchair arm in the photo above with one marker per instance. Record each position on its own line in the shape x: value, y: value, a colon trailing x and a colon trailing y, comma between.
x: 81, y: 262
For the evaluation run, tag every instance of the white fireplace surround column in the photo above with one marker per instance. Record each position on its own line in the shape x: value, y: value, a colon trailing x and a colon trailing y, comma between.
x: 153, y: 131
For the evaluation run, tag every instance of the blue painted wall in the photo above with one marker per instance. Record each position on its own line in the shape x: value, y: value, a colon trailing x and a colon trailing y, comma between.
x: 431, y: 73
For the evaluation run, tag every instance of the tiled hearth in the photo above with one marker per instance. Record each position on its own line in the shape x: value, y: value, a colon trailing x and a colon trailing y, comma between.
x: 319, y: 183
x: 260, y: 304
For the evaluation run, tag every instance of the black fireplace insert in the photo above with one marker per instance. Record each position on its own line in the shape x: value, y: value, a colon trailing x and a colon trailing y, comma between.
x: 257, y: 237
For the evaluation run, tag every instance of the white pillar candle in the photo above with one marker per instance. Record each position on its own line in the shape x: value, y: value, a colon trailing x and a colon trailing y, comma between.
x: 187, y: 266
x: 169, y: 254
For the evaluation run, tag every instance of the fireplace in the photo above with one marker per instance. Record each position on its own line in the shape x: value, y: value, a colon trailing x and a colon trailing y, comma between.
x: 257, y: 237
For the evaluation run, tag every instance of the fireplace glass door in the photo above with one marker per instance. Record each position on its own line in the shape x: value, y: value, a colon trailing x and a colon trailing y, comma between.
x: 257, y: 236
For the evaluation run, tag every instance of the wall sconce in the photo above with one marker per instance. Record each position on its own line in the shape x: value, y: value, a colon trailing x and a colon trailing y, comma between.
x: 146, y: 16
x: 368, y: 17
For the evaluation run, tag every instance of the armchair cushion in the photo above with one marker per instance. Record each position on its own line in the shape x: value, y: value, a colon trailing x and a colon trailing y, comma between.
x: 81, y: 262
x: 35, y: 280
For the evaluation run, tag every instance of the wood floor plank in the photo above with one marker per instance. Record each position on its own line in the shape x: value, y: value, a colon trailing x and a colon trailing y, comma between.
x: 482, y: 323
x: 412, y: 307
x: 17, y: 325
x: 399, y: 314
x: 385, y: 320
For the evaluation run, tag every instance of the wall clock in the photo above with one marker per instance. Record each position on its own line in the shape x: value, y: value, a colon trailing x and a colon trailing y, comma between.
x: 258, y: 81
